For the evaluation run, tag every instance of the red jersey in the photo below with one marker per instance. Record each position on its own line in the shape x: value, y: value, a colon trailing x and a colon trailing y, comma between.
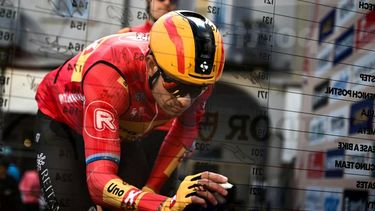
x: 103, y: 94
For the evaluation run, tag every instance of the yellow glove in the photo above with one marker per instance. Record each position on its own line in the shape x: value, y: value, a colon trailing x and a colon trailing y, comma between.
x: 188, y: 187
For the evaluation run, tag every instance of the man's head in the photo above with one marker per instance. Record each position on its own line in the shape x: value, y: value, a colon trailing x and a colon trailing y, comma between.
x: 186, y: 55
x: 157, y: 8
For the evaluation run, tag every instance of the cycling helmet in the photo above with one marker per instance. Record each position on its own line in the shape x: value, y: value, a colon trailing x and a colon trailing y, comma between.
x: 188, y: 47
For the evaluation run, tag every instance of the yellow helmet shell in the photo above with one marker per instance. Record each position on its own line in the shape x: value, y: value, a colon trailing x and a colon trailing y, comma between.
x: 188, y: 47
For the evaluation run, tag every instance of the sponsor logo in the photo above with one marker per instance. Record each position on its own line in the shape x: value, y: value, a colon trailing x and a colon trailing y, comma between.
x: 315, y: 165
x: 130, y: 200
x: 357, y: 121
x: 344, y: 45
x: 208, y: 126
x: 40, y: 161
x: 330, y: 169
x: 115, y: 190
x: 338, y: 123
x: 46, y: 184
x: 70, y: 98
x: 100, y: 121
x: 365, y: 29
x: 326, y: 26
x: 340, y: 80
x: 320, y: 99
x: 204, y: 66
x: 104, y: 119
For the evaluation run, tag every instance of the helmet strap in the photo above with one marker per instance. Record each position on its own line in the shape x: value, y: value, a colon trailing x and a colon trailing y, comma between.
x: 152, y: 79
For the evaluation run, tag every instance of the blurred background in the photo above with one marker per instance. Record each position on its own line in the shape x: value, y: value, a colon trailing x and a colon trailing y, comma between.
x: 272, y: 127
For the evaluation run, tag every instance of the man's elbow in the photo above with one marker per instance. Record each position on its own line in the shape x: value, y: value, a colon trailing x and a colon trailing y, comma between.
x: 95, y: 189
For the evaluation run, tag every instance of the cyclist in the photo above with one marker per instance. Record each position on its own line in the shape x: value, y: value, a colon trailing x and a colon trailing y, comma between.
x: 149, y: 146
x: 116, y: 90
x: 155, y: 9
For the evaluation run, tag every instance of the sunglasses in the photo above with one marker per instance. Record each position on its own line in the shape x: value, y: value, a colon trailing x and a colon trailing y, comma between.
x: 179, y: 89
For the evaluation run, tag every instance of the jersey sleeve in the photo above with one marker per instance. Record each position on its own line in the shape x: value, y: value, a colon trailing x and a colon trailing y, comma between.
x: 106, y: 98
x: 177, y: 143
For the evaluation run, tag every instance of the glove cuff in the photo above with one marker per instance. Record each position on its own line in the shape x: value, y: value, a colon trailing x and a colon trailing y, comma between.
x: 167, y: 205
x: 147, y: 189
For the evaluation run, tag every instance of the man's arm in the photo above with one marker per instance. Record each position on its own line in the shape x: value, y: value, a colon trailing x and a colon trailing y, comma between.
x: 177, y: 143
x: 106, y: 98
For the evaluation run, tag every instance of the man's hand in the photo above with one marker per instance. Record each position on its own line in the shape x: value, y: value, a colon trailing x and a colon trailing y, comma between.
x: 209, y: 184
x: 198, y: 189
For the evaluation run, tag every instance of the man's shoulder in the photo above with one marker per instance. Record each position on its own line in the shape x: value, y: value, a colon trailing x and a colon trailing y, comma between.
x: 124, y: 52
x: 132, y: 44
x: 126, y: 49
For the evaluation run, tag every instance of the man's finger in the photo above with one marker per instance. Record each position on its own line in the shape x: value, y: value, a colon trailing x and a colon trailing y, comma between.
x: 218, y: 178
x: 213, y: 186
x: 208, y: 196
x: 199, y: 201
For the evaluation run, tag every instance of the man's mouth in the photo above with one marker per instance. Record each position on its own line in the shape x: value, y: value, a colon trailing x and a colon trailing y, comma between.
x: 175, y: 110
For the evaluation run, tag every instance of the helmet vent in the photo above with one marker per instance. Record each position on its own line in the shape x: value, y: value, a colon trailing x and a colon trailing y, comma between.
x: 204, y: 41
x: 193, y: 14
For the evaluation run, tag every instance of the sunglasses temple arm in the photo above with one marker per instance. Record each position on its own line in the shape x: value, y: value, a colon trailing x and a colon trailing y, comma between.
x: 152, y: 79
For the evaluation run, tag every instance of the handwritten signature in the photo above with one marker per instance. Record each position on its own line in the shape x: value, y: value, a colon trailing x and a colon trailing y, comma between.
x: 254, y: 77
x: 6, y: 3
x: 66, y: 8
x: 119, y: 14
x: 33, y: 85
x: 52, y: 46
x: 238, y: 153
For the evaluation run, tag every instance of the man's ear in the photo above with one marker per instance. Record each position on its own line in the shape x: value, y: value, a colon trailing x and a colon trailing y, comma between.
x: 150, y: 65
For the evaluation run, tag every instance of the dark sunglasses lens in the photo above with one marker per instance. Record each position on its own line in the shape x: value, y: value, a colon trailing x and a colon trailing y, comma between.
x: 180, y: 90
x: 175, y: 90
x: 194, y: 92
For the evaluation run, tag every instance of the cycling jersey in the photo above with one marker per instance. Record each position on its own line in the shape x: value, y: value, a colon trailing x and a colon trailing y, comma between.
x: 103, y: 94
